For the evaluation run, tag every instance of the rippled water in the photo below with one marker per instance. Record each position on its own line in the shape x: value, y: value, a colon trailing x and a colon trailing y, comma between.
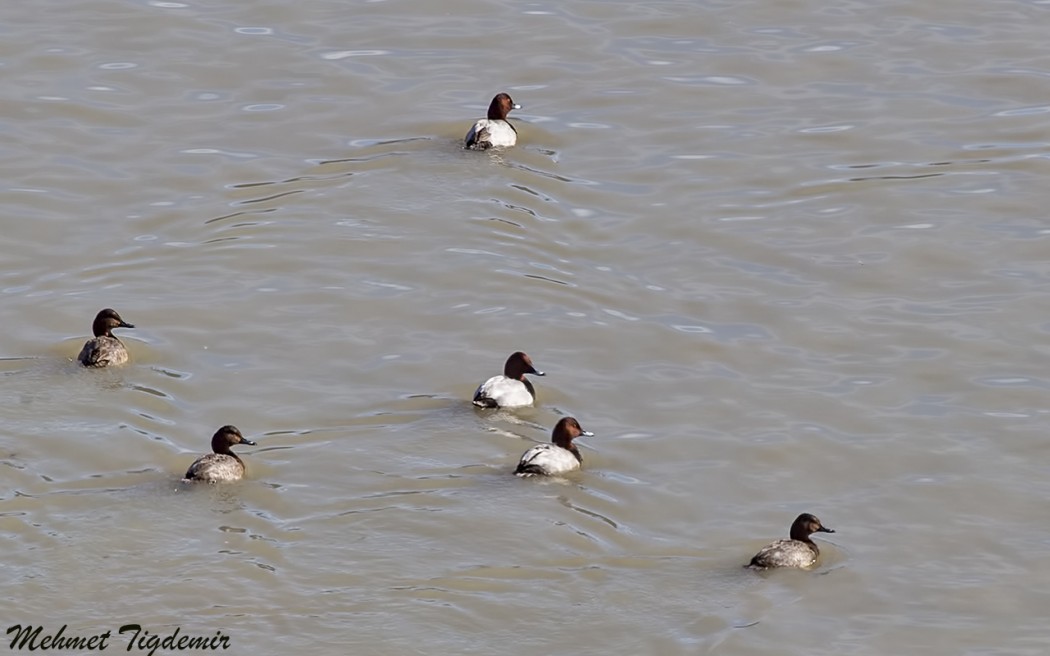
x: 779, y: 257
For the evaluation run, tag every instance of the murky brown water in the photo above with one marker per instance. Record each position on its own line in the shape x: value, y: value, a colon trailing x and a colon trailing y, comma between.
x: 778, y: 256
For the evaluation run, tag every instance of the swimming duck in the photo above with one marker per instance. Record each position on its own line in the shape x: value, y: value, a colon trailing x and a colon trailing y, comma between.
x: 799, y: 551
x: 494, y: 130
x: 222, y: 466
x: 512, y: 389
x: 104, y: 349
x: 560, y: 457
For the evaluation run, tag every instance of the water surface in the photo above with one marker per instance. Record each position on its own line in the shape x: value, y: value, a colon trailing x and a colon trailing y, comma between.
x: 779, y: 257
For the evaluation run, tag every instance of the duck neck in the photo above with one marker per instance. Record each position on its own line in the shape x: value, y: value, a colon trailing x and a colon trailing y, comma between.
x: 576, y: 452
x: 566, y: 443
x: 802, y: 537
x: 224, y: 449
x: 805, y: 539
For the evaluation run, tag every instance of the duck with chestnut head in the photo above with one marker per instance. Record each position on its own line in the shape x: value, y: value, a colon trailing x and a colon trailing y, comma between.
x: 493, y: 131
x: 559, y: 457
